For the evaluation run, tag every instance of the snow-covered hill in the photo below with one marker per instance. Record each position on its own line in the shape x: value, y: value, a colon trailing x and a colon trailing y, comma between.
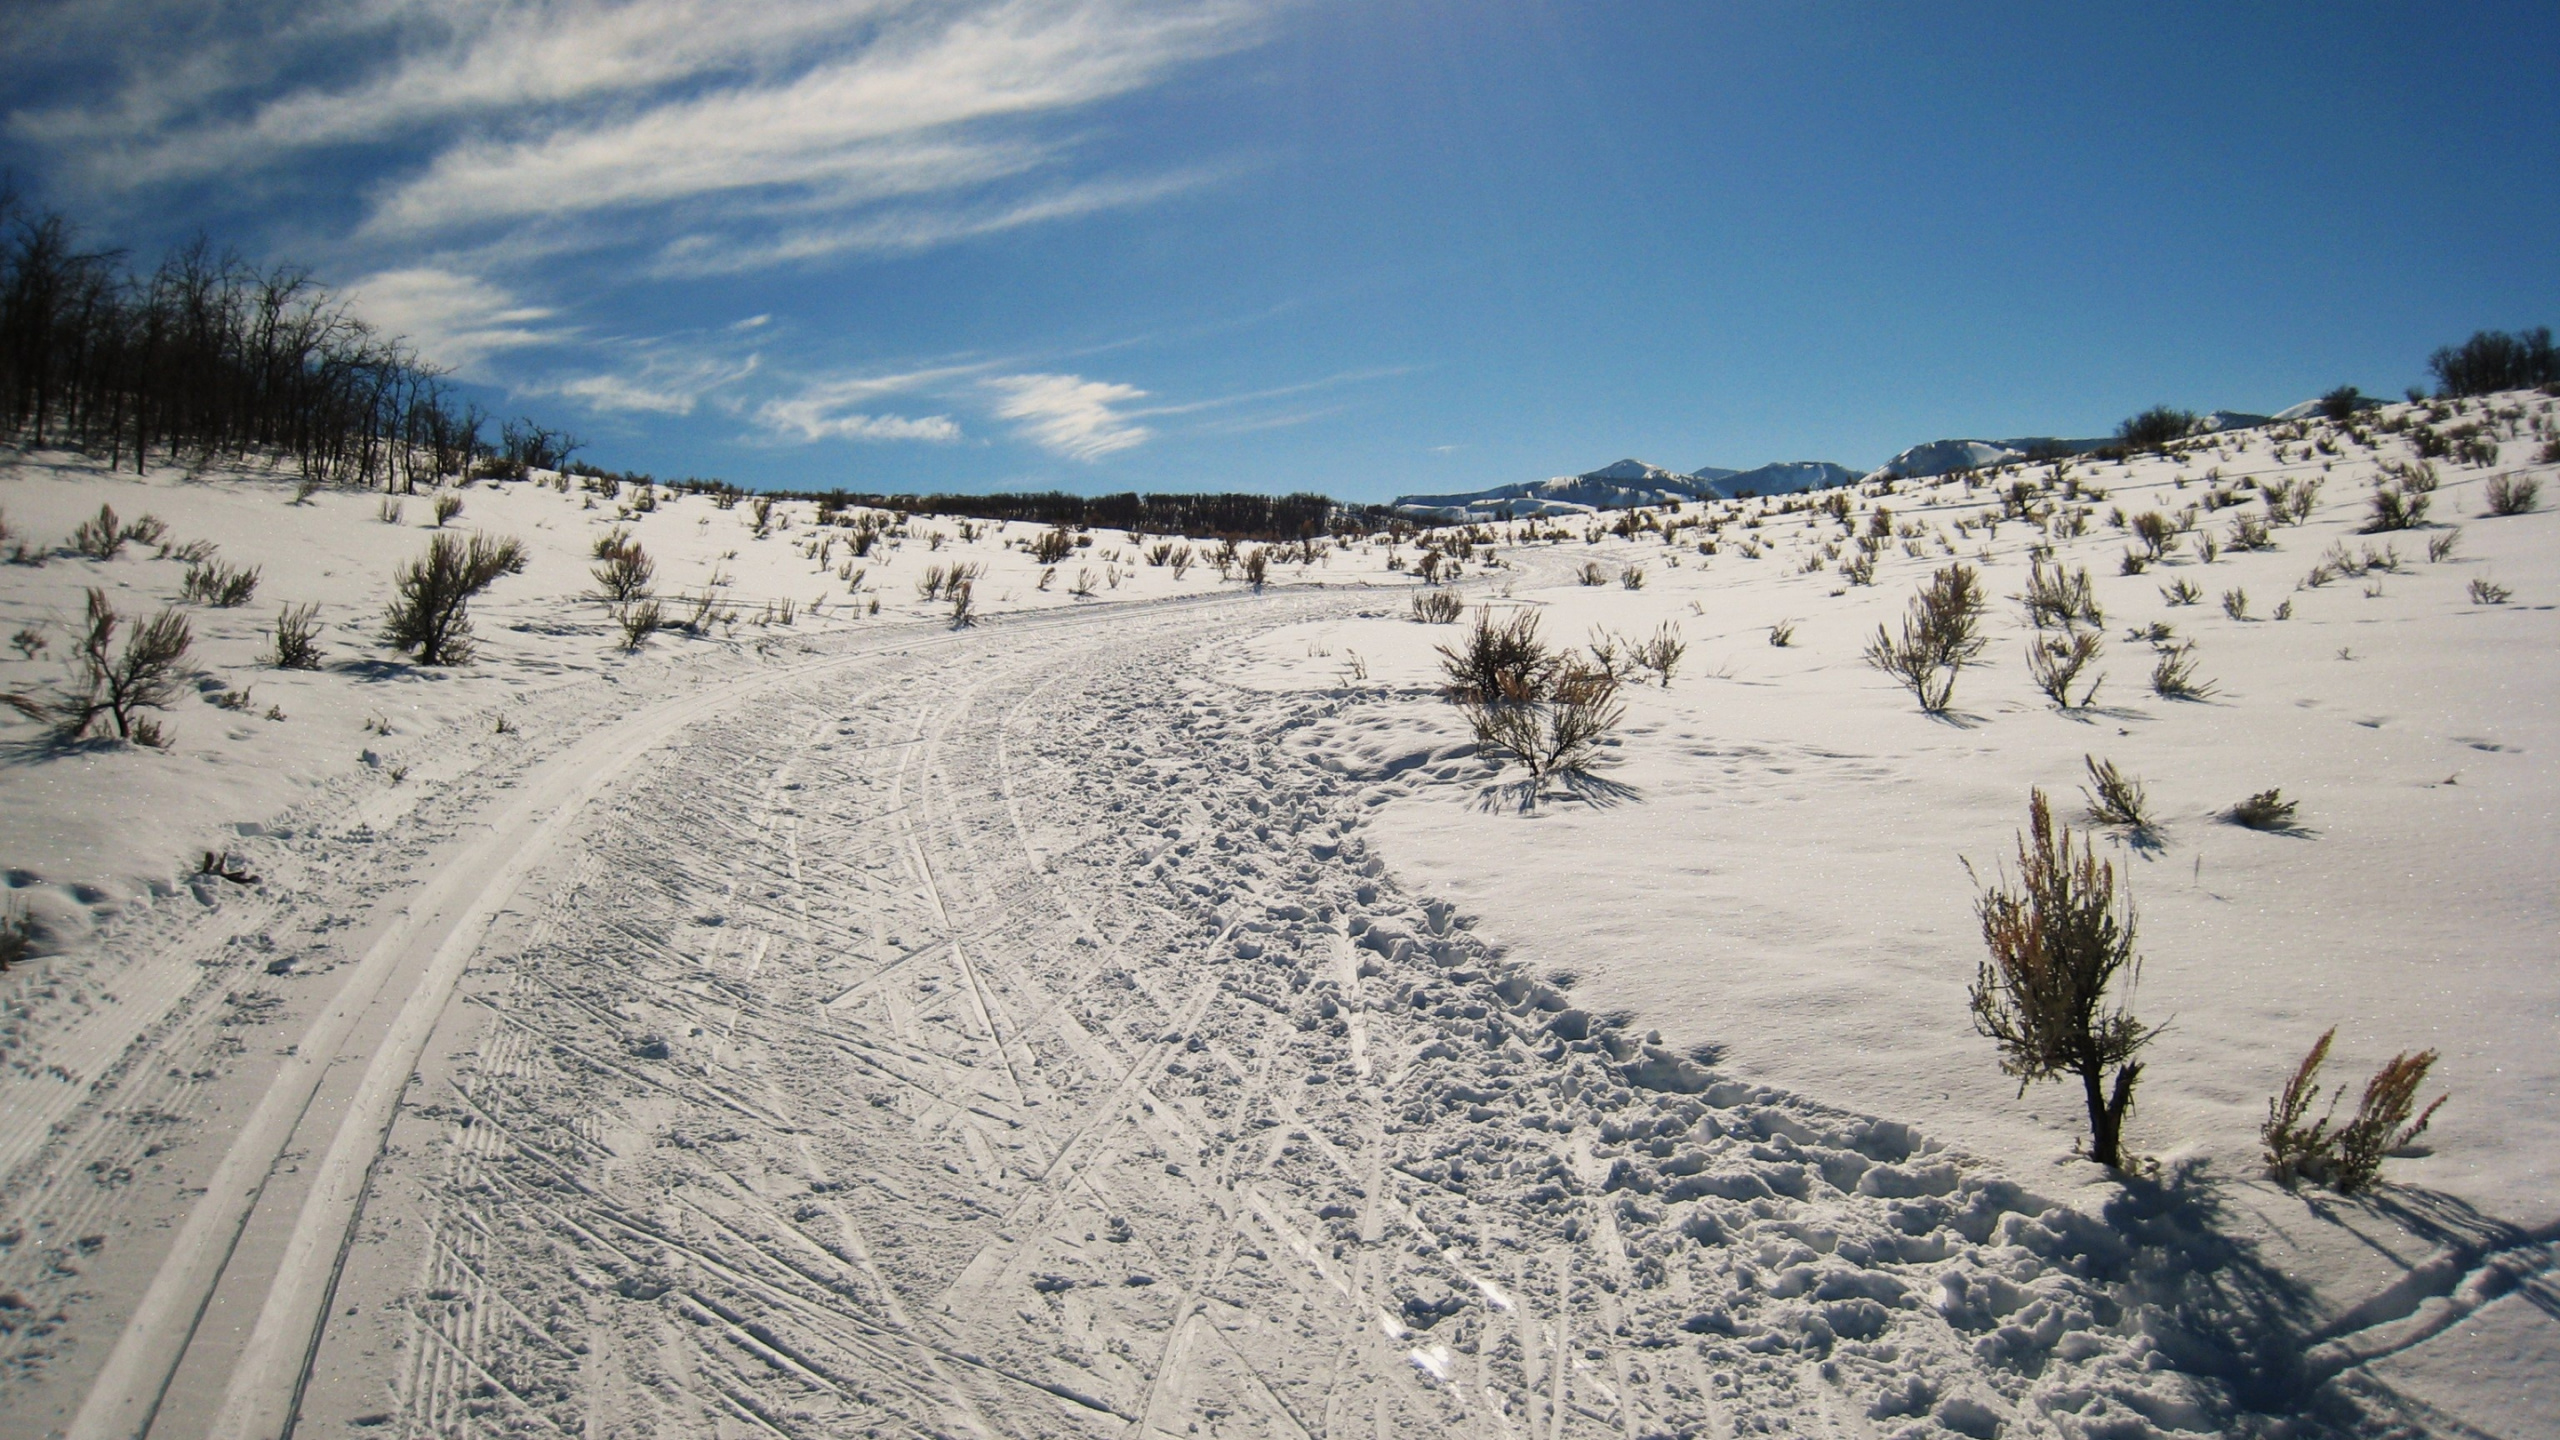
x: 1624, y: 485
x: 1156, y: 1011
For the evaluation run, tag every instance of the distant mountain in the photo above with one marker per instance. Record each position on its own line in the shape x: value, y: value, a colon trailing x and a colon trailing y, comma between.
x: 1784, y: 477
x: 1946, y: 457
x: 1628, y: 484
x: 1622, y: 486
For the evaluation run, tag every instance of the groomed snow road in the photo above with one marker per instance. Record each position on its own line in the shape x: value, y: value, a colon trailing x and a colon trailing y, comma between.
x: 1006, y: 1032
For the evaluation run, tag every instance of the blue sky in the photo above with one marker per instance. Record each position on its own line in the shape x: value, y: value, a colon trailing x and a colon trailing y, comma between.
x: 1357, y: 248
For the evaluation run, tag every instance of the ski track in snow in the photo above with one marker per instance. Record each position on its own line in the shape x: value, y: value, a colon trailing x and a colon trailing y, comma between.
x: 1005, y: 1033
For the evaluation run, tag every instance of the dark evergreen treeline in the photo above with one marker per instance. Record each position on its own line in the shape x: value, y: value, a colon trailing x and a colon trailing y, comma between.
x: 205, y: 357
x: 1224, y: 516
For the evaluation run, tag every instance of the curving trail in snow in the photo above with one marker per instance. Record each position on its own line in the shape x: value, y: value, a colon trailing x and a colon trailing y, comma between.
x: 1006, y: 1032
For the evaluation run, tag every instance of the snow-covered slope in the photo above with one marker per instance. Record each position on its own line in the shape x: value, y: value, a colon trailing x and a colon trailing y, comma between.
x: 1165, y: 1018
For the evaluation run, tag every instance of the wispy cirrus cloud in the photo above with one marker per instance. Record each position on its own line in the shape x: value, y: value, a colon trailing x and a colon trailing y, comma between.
x: 846, y: 408
x: 1068, y: 414
x: 454, y: 320
x: 734, y: 135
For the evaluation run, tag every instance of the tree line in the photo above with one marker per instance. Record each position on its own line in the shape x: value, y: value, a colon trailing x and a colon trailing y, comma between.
x: 205, y: 357
x: 1270, y: 518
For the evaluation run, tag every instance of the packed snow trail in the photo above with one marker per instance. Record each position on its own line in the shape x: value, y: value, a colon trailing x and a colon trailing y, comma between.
x: 1005, y: 1032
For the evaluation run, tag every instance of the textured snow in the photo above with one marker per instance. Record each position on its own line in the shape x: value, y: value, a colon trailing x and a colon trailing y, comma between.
x: 1150, y: 1013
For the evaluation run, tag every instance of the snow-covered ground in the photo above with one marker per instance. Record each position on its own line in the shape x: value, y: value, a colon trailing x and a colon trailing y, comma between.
x: 1133, y: 1017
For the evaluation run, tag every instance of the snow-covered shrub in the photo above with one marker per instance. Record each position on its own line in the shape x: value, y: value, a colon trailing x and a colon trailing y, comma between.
x: 2173, y: 675
x: 1437, y: 607
x: 1661, y: 652
x: 2056, y: 600
x: 639, y: 619
x: 430, y: 613
x: 224, y: 587
x: 112, y: 685
x: 2057, y: 658
x: 2058, y: 944
x: 2266, y: 810
x: 2401, y: 498
x: 1497, y: 660
x: 1940, y: 636
x: 2514, y: 494
x: 626, y: 574
x: 2119, y: 799
x: 1555, y: 728
x: 17, y: 933
x: 104, y: 536
x: 295, y: 642
x: 2350, y: 1157
x: 447, y: 506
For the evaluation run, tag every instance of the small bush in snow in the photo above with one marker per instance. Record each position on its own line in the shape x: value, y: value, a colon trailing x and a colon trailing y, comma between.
x: 626, y: 574
x: 1940, y: 636
x: 2173, y: 675
x: 2118, y: 798
x: 2350, y: 1157
x: 1661, y: 652
x: 1632, y: 577
x: 1497, y: 660
x: 1782, y: 634
x: 2183, y: 592
x: 1593, y: 573
x: 224, y: 587
x: 1555, y: 728
x: 2058, y: 945
x: 2057, y: 658
x: 17, y: 933
x: 2289, y: 502
x: 2442, y: 544
x: 2157, y: 532
x: 2401, y: 499
x: 2513, y: 494
x: 2484, y: 592
x: 295, y: 642
x: 430, y: 612
x: 446, y: 507
x: 116, y: 685
x: 2235, y: 603
x: 104, y: 536
x: 1437, y: 607
x: 2266, y: 810
x: 2054, y: 600
x: 1056, y: 543
x: 1256, y: 565
x: 639, y: 619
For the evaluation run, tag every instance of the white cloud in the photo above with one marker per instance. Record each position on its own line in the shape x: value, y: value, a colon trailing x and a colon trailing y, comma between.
x: 456, y: 321
x: 660, y: 385
x: 909, y: 228
x: 840, y: 409
x: 1069, y: 414
x: 745, y: 133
